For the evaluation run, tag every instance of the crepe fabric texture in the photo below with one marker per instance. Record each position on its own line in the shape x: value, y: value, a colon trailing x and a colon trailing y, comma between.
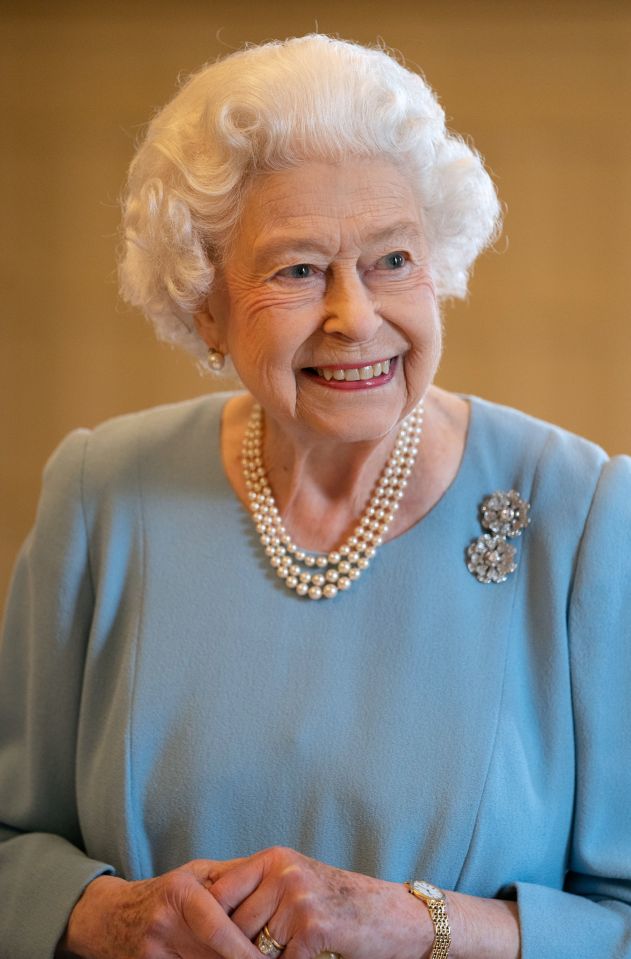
x: 163, y: 696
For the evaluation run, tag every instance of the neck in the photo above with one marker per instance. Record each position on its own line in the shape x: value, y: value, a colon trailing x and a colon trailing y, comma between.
x: 321, y: 486
x: 346, y: 561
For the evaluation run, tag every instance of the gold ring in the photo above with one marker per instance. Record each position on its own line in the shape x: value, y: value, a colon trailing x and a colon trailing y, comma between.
x: 266, y: 944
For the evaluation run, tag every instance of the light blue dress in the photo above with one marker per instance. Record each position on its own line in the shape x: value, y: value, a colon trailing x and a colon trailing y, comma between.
x: 163, y: 696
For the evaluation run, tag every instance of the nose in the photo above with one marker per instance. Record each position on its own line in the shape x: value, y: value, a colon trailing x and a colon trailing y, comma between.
x: 350, y: 309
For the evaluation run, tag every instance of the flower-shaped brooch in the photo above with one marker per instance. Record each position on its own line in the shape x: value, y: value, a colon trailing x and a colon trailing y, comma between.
x: 491, y: 558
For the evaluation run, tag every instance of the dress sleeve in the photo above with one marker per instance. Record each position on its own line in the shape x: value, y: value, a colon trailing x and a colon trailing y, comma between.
x: 592, y: 915
x: 43, y: 869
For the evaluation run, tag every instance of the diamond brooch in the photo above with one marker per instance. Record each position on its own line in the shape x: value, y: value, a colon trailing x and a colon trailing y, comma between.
x: 491, y: 558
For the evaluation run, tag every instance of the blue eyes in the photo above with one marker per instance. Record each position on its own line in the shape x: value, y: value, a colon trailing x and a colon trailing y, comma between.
x: 301, y: 271
x: 393, y: 261
x: 304, y: 271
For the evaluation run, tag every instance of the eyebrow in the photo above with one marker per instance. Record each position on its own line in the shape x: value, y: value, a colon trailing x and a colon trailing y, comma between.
x: 286, y: 244
x: 405, y: 229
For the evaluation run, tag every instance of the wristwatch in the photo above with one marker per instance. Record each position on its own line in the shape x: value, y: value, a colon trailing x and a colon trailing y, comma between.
x: 435, y: 901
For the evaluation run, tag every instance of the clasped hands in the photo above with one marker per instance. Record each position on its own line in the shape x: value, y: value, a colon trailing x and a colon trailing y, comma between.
x: 312, y: 908
x: 216, y: 910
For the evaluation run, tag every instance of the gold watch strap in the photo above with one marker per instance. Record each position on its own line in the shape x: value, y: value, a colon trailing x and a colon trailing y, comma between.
x: 438, y: 914
x: 442, y: 932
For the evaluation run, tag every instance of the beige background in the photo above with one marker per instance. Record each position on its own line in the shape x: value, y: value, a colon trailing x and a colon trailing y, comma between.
x: 542, y: 88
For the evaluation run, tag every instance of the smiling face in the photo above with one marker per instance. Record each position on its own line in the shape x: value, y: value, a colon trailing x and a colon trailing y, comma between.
x: 326, y: 302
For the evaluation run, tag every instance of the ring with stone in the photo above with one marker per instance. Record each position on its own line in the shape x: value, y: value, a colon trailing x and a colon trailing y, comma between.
x: 266, y: 944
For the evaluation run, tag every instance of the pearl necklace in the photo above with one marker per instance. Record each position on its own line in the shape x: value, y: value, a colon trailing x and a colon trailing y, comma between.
x: 340, y: 568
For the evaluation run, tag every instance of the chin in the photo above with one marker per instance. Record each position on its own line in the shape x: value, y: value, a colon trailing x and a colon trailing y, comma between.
x: 352, y: 426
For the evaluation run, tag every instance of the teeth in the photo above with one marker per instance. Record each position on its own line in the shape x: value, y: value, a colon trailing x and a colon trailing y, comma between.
x: 358, y: 373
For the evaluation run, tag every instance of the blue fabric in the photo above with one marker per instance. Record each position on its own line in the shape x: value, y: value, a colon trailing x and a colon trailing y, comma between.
x: 163, y: 696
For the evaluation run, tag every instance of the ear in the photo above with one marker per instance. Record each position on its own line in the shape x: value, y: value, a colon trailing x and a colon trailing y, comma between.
x: 210, y: 329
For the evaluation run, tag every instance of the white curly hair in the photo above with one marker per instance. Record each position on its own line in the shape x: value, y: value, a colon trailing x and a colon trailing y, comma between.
x: 268, y: 108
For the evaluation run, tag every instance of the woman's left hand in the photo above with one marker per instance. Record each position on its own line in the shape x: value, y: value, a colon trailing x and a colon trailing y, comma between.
x: 311, y: 907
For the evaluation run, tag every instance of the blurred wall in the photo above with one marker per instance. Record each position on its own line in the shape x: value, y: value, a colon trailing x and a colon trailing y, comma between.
x: 543, y: 90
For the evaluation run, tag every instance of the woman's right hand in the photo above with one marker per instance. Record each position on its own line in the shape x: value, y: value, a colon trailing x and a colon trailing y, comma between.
x: 171, y: 915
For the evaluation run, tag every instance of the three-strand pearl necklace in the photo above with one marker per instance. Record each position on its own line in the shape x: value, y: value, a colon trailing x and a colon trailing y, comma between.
x: 321, y: 577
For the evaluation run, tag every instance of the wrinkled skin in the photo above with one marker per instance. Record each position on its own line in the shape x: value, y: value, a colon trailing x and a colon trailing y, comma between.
x: 206, y: 910
x: 312, y: 907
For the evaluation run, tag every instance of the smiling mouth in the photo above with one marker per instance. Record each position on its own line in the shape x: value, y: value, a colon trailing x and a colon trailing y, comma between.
x: 353, y: 374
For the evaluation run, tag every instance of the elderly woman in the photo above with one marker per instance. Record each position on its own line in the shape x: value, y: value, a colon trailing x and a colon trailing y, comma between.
x: 338, y: 663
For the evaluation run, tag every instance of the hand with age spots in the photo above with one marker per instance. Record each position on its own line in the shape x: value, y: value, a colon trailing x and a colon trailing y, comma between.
x: 167, y: 917
x: 312, y: 908
x: 215, y: 910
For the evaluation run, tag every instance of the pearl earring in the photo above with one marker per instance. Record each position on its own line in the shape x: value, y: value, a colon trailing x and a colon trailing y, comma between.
x: 215, y: 360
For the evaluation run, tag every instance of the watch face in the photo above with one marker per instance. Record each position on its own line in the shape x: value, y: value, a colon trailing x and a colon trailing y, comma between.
x: 426, y: 889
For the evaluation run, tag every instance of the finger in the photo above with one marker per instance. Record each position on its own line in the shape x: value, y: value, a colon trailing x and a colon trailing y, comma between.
x: 298, y: 948
x: 202, y: 869
x: 269, y: 945
x: 206, y: 871
x: 237, y: 883
x: 212, y: 928
x: 218, y: 868
x: 258, y: 910
x: 309, y: 942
